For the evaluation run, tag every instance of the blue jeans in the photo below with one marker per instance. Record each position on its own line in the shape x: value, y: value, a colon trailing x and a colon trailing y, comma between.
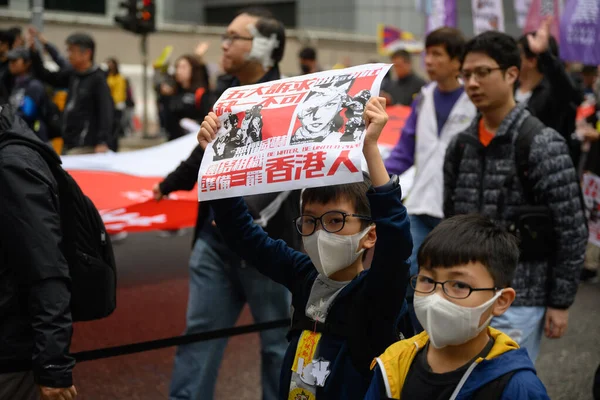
x: 219, y: 288
x: 525, y: 325
x: 420, y: 226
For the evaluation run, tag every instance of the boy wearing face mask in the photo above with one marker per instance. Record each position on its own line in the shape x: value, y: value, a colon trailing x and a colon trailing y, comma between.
x: 465, y: 267
x: 343, y: 315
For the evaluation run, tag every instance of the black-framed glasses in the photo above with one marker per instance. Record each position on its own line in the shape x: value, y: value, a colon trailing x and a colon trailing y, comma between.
x: 230, y: 38
x: 453, y: 288
x: 480, y: 73
x: 331, y: 221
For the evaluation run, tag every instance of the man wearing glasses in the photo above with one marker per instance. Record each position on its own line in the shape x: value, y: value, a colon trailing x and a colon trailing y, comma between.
x: 220, y: 282
x: 511, y: 168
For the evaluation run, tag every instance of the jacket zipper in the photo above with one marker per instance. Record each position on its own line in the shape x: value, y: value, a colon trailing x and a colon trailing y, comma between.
x: 481, y: 197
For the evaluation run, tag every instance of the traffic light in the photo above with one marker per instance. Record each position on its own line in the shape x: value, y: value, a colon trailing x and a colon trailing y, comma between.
x: 139, y: 16
x: 146, y: 17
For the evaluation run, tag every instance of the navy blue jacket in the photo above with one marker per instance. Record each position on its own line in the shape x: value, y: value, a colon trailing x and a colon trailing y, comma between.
x: 370, y: 305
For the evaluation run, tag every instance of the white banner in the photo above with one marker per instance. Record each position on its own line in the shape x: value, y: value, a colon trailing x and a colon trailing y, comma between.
x: 487, y: 15
x: 293, y: 133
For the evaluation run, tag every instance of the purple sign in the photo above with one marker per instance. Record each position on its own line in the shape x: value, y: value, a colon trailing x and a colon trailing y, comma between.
x: 440, y: 13
x: 580, y: 32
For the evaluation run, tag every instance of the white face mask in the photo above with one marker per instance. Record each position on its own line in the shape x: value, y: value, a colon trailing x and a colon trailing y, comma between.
x: 331, y: 252
x: 449, y: 324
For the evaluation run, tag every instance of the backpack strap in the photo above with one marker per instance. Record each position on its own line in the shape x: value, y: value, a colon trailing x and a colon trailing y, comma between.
x: 527, y: 131
x: 494, y: 389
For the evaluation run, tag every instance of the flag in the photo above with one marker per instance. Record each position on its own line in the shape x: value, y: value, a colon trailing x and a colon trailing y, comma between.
x: 390, y: 39
x: 580, y: 32
x: 441, y: 13
x: 521, y: 11
x: 539, y: 10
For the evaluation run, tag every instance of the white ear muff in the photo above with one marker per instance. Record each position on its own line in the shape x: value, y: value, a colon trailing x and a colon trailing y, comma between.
x: 262, y: 47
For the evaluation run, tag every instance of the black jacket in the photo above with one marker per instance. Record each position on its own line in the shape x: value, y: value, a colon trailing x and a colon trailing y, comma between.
x: 555, y: 100
x: 89, y: 110
x: 193, y: 104
x: 35, y: 319
x: 475, y: 182
x: 279, y: 226
x: 6, y: 82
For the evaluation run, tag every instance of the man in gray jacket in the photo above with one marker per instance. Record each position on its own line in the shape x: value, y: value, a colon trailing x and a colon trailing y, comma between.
x: 477, y: 178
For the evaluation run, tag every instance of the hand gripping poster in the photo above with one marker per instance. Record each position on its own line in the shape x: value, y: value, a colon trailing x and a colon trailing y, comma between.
x: 306, y: 131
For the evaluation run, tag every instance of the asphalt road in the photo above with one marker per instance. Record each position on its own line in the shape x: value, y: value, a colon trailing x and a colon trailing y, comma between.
x: 152, y: 302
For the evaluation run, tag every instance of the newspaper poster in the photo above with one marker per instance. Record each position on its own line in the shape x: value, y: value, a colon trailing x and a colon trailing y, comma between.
x: 591, y: 196
x: 306, y: 131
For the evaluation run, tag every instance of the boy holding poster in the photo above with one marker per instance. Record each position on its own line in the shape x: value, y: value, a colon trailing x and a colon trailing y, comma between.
x: 343, y: 315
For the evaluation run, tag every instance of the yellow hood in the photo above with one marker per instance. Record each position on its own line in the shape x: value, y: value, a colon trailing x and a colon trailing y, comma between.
x: 395, y: 362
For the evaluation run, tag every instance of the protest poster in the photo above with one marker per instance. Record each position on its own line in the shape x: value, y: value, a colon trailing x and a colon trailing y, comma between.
x: 487, y: 15
x: 591, y: 196
x: 305, y: 131
x: 521, y: 10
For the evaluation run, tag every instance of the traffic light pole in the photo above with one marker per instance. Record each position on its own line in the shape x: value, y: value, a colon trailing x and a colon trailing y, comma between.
x: 144, y: 48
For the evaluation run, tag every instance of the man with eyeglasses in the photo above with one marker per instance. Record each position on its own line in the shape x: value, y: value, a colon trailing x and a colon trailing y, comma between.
x: 221, y: 283
x: 511, y: 168
x: 440, y: 111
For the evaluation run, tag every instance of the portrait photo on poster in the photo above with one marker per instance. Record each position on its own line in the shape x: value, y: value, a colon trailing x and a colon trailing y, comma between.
x: 320, y: 113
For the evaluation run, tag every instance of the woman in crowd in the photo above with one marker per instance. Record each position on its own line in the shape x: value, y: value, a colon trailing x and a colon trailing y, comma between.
x: 189, y: 97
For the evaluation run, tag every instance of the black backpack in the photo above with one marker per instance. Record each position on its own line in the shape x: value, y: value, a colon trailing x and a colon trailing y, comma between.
x: 532, y: 223
x: 85, y: 245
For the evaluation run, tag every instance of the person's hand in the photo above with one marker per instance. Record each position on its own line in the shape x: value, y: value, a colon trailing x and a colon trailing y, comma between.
x: 48, y: 393
x: 101, y: 148
x: 589, y: 133
x: 208, y: 129
x: 201, y: 48
x: 158, y: 195
x: 556, y: 322
x: 375, y: 119
x: 166, y: 90
x: 539, y: 43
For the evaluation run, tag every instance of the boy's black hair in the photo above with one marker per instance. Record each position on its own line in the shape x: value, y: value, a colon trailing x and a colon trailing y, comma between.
x: 308, y: 53
x: 452, y: 39
x: 355, y: 193
x: 405, y: 55
x: 267, y: 25
x: 83, y: 41
x: 499, y: 46
x: 471, y: 238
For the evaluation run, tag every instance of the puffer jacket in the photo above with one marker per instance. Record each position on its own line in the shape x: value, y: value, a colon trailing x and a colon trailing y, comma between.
x: 474, y: 182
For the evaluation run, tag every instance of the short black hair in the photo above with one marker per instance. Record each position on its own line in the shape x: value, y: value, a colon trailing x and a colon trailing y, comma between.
x: 355, y: 193
x: 256, y: 11
x: 267, y: 25
x: 471, y: 238
x: 452, y: 39
x: 83, y: 41
x: 405, y: 55
x: 308, y: 53
x: 499, y: 46
x: 7, y: 37
x: 16, y: 31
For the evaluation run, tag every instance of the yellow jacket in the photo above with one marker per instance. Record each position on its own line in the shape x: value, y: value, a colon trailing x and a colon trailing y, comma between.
x: 118, y: 89
x: 395, y: 362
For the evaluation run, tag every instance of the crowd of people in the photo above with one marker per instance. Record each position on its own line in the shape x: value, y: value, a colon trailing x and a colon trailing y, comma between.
x: 443, y: 292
